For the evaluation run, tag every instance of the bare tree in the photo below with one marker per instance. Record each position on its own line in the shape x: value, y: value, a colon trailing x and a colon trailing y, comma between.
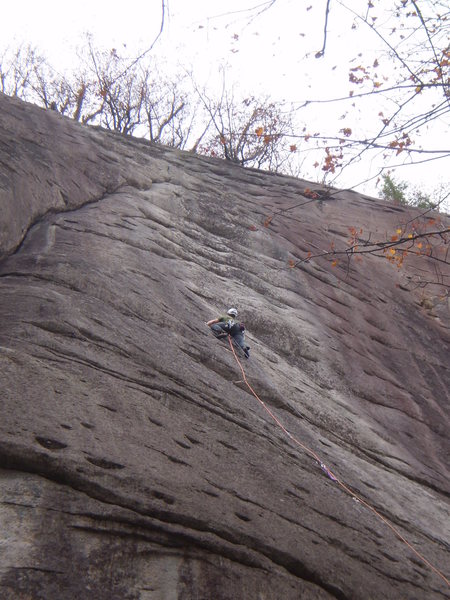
x: 18, y: 67
x: 252, y: 132
x: 165, y: 108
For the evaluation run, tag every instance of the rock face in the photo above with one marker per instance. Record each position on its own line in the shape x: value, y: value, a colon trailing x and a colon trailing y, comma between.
x: 135, y: 463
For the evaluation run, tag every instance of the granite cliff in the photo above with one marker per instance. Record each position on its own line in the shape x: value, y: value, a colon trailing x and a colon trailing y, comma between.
x: 134, y: 461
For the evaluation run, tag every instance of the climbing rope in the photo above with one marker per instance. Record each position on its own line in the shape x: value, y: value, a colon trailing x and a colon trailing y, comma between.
x: 331, y: 475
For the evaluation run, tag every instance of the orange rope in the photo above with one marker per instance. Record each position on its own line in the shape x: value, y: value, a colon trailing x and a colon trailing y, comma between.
x: 332, y: 475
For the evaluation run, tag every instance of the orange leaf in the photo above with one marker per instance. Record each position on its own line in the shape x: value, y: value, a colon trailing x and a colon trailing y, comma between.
x: 268, y: 221
x: 334, y: 263
x: 291, y: 263
x: 259, y: 131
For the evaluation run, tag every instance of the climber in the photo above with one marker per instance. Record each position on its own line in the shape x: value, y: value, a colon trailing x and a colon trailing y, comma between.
x: 226, y: 325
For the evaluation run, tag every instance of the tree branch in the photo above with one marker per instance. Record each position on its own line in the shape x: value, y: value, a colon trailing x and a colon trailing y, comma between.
x: 325, y: 32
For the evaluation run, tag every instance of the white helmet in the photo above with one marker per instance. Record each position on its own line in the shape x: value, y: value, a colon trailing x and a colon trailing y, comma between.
x: 232, y: 312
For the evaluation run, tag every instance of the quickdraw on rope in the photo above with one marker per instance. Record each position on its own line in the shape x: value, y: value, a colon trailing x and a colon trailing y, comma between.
x: 331, y: 475
x: 327, y: 471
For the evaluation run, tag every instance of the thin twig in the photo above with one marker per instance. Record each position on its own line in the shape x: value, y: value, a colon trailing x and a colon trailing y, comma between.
x: 325, y: 31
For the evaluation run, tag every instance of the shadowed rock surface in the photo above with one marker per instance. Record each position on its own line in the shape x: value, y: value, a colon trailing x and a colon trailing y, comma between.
x: 134, y: 463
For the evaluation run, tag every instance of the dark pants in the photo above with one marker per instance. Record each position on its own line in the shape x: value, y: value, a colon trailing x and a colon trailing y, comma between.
x: 221, y: 330
x: 240, y: 341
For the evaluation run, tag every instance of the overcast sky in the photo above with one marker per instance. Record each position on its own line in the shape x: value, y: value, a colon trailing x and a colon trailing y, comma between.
x: 268, y: 53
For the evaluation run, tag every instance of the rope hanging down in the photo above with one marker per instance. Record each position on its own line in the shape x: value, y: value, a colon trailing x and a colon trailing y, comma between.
x: 332, y: 476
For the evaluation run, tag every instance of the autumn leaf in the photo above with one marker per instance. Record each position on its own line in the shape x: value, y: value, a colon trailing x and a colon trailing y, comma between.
x: 268, y: 221
x: 353, y: 79
x: 392, y: 251
x: 293, y: 148
x: 259, y: 131
x: 334, y: 263
x: 291, y: 263
x: 394, y: 238
x: 398, y: 231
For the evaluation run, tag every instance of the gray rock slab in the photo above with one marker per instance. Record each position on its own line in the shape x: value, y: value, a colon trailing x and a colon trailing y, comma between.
x: 135, y: 463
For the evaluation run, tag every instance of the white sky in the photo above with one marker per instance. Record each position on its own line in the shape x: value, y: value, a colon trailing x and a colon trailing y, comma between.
x: 266, y: 55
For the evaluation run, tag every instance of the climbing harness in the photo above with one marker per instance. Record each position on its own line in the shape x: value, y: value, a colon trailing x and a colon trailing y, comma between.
x: 331, y: 475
